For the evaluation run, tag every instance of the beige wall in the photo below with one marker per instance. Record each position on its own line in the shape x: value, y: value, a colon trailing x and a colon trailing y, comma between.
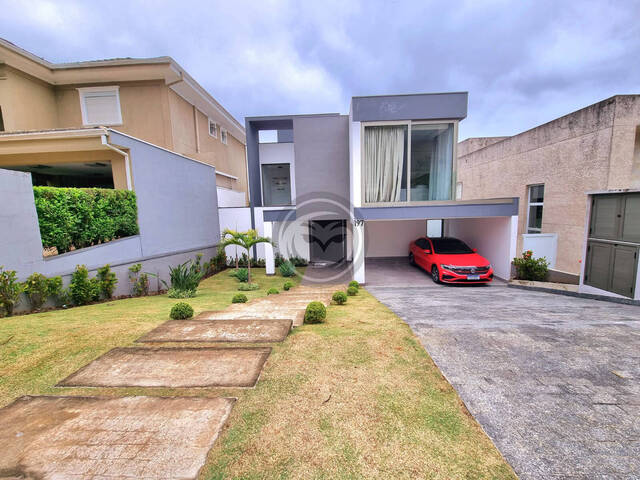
x: 151, y: 111
x: 191, y: 137
x: 571, y: 156
x: 27, y: 103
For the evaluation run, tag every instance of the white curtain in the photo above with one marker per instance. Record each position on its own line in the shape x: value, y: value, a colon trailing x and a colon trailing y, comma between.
x: 441, y: 167
x: 384, y: 149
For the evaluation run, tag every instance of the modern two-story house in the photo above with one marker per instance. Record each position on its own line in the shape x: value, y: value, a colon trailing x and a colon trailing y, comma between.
x: 351, y: 188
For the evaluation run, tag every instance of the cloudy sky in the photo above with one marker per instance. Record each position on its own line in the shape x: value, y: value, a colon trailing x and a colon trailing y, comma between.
x: 522, y: 62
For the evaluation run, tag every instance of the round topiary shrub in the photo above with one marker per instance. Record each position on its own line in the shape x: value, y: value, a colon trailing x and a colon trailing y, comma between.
x: 353, y: 283
x: 316, y: 312
x: 352, y: 291
x: 340, y: 297
x: 181, y: 310
x: 287, y: 285
x: 273, y: 291
x: 239, y: 298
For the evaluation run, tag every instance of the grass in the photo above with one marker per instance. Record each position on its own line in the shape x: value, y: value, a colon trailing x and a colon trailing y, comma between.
x: 44, y: 348
x: 355, y: 397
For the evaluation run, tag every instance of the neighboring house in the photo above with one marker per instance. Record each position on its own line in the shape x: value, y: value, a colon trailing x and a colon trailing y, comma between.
x: 151, y: 99
x: 578, y: 181
x: 135, y: 124
x: 335, y: 188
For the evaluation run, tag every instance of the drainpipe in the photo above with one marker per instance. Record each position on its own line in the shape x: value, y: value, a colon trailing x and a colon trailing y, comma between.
x: 126, y: 159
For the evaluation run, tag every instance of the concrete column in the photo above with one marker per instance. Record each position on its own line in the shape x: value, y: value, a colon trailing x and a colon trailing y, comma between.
x: 358, y: 252
x: 270, y: 263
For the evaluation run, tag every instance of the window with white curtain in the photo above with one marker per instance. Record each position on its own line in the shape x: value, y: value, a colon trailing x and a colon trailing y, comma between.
x: 100, y: 105
x: 410, y: 161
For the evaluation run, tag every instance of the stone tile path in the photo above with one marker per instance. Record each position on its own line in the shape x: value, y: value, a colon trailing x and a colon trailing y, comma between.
x: 92, y: 438
x: 286, y: 305
x: 553, y: 380
x: 172, y: 368
x: 238, y: 330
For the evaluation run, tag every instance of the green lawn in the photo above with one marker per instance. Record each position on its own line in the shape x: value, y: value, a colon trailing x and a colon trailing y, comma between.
x: 356, y: 397
x: 44, y: 348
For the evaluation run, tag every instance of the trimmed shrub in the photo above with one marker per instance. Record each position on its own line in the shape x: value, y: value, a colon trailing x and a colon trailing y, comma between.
x: 246, y: 287
x: 139, y: 281
x: 273, y: 291
x: 108, y: 281
x: 352, y: 291
x: 37, y: 289
x: 181, y: 310
x: 288, y: 285
x: 353, y: 283
x: 241, y: 274
x: 10, y: 290
x: 316, y: 312
x: 81, y: 288
x: 56, y: 292
x: 529, y: 268
x: 81, y: 217
x: 239, y: 298
x: 339, y: 297
x: 287, y: 269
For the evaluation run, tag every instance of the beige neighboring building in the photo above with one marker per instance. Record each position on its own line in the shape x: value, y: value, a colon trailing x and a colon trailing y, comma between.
x: 556, y: 169
x: 48, y: 112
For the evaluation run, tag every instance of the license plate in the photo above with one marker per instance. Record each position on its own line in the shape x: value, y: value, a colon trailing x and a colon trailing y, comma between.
x: 473, y: 277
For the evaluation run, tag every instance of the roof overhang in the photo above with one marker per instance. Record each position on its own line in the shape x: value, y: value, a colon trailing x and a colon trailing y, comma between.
x: 415, y: 106
x: 499, y: 207
x: 77, y: 140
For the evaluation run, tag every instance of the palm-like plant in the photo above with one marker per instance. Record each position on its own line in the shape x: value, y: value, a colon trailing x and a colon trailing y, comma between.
x: 231, y: 238
x: 245, y: 240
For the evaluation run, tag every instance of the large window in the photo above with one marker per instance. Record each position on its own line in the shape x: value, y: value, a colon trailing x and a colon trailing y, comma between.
x: 534, y: 211
x: 100, y: 106
x: 408, y: 162
x: 276, y: 184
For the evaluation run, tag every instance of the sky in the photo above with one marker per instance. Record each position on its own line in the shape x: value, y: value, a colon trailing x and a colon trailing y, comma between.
x: 523, y: 62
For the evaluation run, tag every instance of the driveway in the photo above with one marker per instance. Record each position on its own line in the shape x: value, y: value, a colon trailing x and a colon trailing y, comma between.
x: 553, y: 380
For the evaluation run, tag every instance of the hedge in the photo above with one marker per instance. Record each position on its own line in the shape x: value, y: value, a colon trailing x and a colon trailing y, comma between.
x: 81, y: 217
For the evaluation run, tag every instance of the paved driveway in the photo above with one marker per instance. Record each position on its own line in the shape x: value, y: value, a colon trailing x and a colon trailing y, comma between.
x: 553, y: 380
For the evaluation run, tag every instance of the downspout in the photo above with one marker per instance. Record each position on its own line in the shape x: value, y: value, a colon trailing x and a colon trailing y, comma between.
x: 126, y: 159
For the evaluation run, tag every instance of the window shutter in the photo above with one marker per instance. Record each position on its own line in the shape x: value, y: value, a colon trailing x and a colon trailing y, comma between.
x: 102, y: 108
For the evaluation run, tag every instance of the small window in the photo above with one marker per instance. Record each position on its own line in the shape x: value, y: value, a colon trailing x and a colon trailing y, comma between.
x: 223, y: 136
x: 1, y: 121
x: 213, y: 129
x: 100, y: 106
x: 534, y: 210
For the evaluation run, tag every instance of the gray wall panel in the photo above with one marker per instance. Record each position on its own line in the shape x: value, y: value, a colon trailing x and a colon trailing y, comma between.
x: 428, y: 106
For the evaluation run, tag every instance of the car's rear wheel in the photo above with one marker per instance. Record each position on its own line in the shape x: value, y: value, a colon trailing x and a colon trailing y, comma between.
x: 435, y: 274
x: 412, y: 259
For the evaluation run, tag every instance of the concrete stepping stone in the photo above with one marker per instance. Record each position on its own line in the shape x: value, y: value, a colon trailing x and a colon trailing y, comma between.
x: 172, y: 368
x: 237, y: 330
x: 106, y: 438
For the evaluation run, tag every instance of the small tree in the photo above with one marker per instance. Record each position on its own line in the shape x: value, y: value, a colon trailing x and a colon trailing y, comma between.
x: 246, y: 240
x: 231, y: 238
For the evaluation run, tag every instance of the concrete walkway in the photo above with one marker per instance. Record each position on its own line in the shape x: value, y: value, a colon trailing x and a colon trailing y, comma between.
x: 553, y: 380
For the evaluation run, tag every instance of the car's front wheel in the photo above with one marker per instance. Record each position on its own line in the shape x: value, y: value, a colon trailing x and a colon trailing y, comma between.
x: 412, y: 259
x: 435, y: 274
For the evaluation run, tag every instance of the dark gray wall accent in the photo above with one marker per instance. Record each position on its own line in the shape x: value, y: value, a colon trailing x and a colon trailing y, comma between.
x: 177, y: 198
x: 253, y: 164
x: 428, y: 106
x: 321, y: 150
x: 506, y: 209
x: 278, y: 215
x: 285, y: 136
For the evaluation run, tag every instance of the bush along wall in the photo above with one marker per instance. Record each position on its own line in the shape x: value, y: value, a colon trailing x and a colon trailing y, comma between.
x: 81, y: 217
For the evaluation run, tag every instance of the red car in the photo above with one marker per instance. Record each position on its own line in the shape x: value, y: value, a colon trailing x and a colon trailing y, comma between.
x: 450, y: 260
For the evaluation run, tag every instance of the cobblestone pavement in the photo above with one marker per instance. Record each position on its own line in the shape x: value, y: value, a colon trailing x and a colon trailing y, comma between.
x: 553, y: 380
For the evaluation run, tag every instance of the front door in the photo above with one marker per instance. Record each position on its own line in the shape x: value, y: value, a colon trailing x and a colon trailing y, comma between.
x: 327, y: 240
